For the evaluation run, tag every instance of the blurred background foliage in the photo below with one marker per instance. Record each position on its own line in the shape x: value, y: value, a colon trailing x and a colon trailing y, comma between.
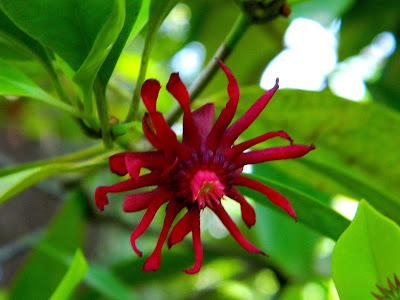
x: 338, y: 64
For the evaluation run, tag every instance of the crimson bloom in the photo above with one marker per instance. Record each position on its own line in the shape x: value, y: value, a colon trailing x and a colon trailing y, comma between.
x: 197, y: 172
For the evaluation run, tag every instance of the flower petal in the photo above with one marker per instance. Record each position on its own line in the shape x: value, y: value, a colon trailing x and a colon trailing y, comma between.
x: 147, y: 218
x: 176, y: 87
x: 248, y: 212
x: 121, y: 163
x: 180, y: 230
x: 152, y: 263
x: 149, y: 93
x: 271, y: 194
x: 190, y: 132
x: 203, y: 118
x: 273, y: 153
x: 233, y: 229
x: 149, y: 132
x: 140, y: 201
x: 227, y: 114
x: 130, y: 184
x: 233, y: 132
x: 198, y: 247
x: 237, y: 149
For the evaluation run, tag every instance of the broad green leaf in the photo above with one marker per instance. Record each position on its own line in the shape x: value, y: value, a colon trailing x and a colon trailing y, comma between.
x: 14, y: 38
x: 14, y: 82
x: 136, y: 14
x: 13, y: 183
x: 41, y: 274
x: 314, y: 214
x: 358, y: 185
x: 357, y: 136
x: 69, y: 157
x: 366, y: 254
x: 102, y: 44
x: 69, y: 28
x: 74, y: 275
x: 293, y: 251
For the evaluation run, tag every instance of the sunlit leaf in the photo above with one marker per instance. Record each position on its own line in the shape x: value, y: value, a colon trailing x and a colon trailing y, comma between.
x: 68, y: 28
x: 293, y: 251
x: 102, y: 44
x: 71, y: 279
x: 366, y: 254
x: 14, y: 38
x: 356, y: 136
x: 136, y: 14
x: 14, y: 82
x: 314, y: 214
x: 15, y: 182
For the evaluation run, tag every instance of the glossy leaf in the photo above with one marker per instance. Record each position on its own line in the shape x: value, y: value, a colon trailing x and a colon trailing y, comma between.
x: 14, y: 82
x: 66, y: 233
x: 97, y: 277
x: 102, y: 44
x: 357, y: 136
x: 13, y: 183
x: 14, y: 38
x: 135, y: 19
x: 293, y: 251
x: 366, y: 255
x: 71, y: 279
x: 310, y: 211
x: 68, y: 28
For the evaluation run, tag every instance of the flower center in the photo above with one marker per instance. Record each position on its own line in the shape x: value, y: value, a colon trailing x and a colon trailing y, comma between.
x: 202, y: 179
x: 206, y: 188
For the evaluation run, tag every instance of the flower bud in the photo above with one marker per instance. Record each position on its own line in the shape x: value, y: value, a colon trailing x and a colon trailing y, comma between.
x: 261, y: 11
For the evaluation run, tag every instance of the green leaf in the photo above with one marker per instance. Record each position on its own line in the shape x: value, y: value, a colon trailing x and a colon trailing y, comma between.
x: 97, y: 277
x: 106, y: 283
x: 74, y: 275
x: 366, y: 254
x: 102, y: 44
x: 14, y: 38
x: 136, y: 14
x: 293, y: 251
x: 13, y: 82
x: 13, y: 183
x: 311, y: 212
x: 358, y: 185
x: 69, y: 28
x: 69, y: 157
x: 158, y: 12
x: 41, y: 274
x: 357, y: 137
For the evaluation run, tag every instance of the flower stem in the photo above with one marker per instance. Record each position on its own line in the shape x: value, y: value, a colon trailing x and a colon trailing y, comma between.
x: 238, y: 29
x: 133, y: 109
x: 102, y: 112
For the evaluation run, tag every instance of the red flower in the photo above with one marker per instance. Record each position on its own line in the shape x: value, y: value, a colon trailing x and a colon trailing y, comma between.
x: 197, y: 172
